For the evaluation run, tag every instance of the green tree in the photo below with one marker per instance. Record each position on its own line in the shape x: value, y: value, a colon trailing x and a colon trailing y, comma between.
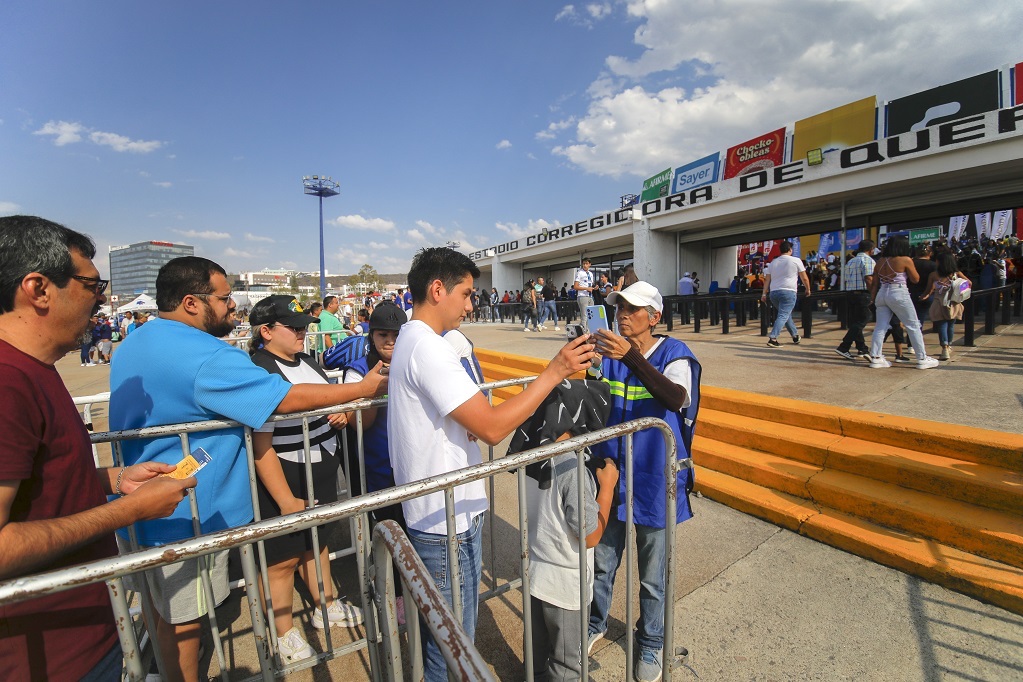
x: 367, y: 275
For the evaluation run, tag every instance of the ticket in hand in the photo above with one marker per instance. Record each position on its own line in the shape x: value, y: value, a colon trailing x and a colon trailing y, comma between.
x: 191, y: 464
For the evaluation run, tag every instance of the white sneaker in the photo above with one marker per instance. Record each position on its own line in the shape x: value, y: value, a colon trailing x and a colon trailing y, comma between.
x: 878, y: 362
x: 338, y: 613
x: 557, y: 329
x: 526, y: 329
x: 293, y: 647
x: 927, y: 363
x: 90, y: 364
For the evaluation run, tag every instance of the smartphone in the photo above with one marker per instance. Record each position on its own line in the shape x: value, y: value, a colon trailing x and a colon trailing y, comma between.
x: 575, y: 331
x: 596, y: 318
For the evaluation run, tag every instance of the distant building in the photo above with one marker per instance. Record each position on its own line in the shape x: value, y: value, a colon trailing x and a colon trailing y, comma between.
x: 133, y: 268
x: 277, y: 278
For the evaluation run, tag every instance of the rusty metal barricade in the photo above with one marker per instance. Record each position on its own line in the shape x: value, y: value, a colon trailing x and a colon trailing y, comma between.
x: 357, y: 511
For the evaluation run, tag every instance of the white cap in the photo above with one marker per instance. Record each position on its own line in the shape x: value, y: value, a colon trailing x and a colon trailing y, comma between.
x: 685, y: 274
x: 640, y: 294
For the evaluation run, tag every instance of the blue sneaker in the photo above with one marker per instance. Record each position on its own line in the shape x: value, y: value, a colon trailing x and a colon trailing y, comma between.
x: 648, y: 666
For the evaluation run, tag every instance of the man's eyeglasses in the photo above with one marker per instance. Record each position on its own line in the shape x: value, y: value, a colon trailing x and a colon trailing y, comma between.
x: 225, y: 298
x: 94, y: 283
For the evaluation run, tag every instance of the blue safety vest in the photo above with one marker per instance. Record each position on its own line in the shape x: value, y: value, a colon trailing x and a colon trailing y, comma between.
x: 631, y: 400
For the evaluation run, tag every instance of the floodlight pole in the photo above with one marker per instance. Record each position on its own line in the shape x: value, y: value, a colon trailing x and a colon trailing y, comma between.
x: 321, y: 186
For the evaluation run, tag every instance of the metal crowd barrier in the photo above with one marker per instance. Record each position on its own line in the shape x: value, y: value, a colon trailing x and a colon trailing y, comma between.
x: 356, y: 510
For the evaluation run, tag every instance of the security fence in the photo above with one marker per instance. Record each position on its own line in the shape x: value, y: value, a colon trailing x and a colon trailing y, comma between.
x: 381, y: 633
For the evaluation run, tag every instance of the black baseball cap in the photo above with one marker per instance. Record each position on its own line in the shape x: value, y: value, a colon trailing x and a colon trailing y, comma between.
x: 280, y: 308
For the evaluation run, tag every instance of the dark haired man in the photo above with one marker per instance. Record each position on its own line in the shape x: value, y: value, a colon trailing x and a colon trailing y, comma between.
x: 438, y: 402
x: 583, y: 286
x: 329, y: 321
x: 858, y: 276
x: 202, y: 379
x: 781, y: 284
x: 53, y: 507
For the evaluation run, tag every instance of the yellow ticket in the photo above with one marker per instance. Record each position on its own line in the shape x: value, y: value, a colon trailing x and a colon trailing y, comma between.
x: 191, y: 464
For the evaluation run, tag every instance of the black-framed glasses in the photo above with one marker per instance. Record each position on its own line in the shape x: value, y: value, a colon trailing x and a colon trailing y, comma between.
x: 95, y: 283
x: 225, y: 298
x: 297, y: 330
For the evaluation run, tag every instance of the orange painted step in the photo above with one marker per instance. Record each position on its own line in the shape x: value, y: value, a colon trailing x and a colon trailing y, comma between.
x: 980, y: 484
x: 787, y: 475
x: 793, y: 442
x: 798, y: 413
x: 781, y: 509
x: 986, y: 532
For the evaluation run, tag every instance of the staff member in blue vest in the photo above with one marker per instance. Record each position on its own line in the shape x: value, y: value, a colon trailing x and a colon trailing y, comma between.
x: 650, y: 376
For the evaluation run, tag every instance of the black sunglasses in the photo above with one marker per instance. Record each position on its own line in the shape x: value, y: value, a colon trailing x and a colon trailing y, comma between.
x: 95, y: 283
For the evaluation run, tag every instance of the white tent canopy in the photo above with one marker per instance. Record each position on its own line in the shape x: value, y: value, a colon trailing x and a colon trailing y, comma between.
x: 142, y: 302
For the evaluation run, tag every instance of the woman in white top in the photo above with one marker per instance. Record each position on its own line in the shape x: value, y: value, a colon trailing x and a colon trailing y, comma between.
x: 890, y: 295
x: 278, y: 340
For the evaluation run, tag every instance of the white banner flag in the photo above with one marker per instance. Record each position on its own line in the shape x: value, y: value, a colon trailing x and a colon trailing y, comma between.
x: 983, y: 224
x: 957, y: 226
x: 1001, y: 225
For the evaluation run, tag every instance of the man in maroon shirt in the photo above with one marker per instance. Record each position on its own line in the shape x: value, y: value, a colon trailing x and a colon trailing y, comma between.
x: 53, y: 506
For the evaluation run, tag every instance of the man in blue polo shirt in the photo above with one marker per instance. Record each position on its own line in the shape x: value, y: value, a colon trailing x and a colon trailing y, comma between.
x: 173, y: 370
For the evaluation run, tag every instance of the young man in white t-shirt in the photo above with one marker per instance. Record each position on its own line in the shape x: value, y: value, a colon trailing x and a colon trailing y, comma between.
x: 583, y: 286
x: 781, y: 284
x: 442, y: 414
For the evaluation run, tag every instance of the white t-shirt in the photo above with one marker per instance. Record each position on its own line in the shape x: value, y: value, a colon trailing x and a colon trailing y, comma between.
x: 299, y: 374
x: 784, y: 272
x: 585, y: 279
x: 427, y: 382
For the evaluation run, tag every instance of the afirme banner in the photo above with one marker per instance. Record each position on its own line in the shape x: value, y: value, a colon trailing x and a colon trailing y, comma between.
x: 970, y: 96
x: 657, y: 186
x: 766, y: 151
x: 696, y: 174
x: 844, y: 126
x: 924, y: 235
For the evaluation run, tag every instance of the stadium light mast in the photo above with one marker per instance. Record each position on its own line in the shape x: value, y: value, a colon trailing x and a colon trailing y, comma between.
x: 321, y: 186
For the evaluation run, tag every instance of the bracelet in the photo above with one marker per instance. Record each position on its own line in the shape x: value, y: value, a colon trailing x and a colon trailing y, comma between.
x: 117, y: 486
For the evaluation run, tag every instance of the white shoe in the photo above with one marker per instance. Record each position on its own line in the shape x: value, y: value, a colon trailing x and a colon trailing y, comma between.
x: 90, y: 364
x: 557, y: 329
x: 927, y: 363
x: 526, y: 329
x: 879, y: 362
x: 293, y: 647
x: 338, y: 613
x: 541, y: 328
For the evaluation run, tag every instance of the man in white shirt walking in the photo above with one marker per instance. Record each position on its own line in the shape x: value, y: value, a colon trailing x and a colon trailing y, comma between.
x: 583, y: 286
x: 435, y: 415
x: 781, y: 283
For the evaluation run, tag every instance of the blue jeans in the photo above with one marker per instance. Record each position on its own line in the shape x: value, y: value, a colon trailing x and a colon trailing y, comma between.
x: 549, y: 311
x: 108, y: 669
x: 607, y: 557
x: 893, y: 299
x: 945, y: 329
x: 784, y: 300
x: 433, y: 550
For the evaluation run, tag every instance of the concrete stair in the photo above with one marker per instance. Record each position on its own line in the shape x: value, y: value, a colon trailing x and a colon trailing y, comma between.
x: 940, y: 501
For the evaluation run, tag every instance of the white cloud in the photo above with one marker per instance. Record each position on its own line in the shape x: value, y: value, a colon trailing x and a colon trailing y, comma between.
x: 257, y: 238
x: 352, y: 258
x: 358, y: 222
x: 65, y: 132
x: 144, y: 174
x: 164, y: 184
x: 120, y: 143
x: 504, y: 144
x: 377, y: 246
x: 428, y: 228
x: 567, y: 12
x: 749, y: 68
x: 554, y: 128
x: 417, y: 236
x: 9, y: 208
x: 235, y: 253
x: 598, y: 11
x: 515, y: 231
x: 204, y: 234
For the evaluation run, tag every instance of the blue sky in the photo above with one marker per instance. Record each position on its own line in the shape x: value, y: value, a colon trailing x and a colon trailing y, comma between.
x: 475, y: 122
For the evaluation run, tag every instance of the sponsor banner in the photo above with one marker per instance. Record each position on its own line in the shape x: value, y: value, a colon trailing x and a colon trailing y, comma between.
x: 1001, y: 224
x: 657, y: 186
x: 970, y: 96
x: 957, y: 226
x: 983, y: 224
x: 924, y: 235
x: 766, y: 151
x: 797, y: 250
x: 696, y: 174
x: 1019, y: 91
x: 757, y: 251
x: 1019, y: 223
x: 841, y: 127
x: 959, y: 134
